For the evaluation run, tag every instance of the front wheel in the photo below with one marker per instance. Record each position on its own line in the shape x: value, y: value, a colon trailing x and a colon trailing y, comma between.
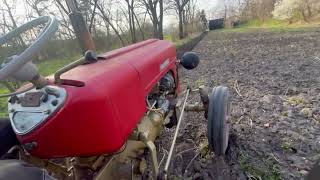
x: 218, y: 115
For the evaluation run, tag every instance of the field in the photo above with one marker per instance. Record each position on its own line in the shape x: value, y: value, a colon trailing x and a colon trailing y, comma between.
x: 274, y: 79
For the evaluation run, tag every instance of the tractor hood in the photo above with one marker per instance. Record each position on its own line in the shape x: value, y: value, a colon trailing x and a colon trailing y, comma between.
x: 98, y: 117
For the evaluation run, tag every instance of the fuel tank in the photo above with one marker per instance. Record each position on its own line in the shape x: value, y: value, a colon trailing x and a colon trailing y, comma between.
x: 98, y: 117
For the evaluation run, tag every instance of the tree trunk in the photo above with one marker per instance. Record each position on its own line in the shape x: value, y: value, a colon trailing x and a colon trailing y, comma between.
x: 139, y: 26
x: 180, y: 24
x: 92, y: 16
x: 157, y: 22
x: 155, y: 29
x: 134, y: 36
x: 184, y: 20
x: 309, y: 10
x: 131, y: 20
x: 160, y: 25
x: 304, y: 15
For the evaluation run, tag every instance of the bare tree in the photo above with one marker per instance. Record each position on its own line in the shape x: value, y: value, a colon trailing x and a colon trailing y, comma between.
x: 256, y: 9
x: 93, y: 15
x: 152, y: 7
x: 179, y: 6
x: 39, y: 6
x: 131, y: 19
x: 64, y: 22
x: 12, y: 19
x: 103, y: 14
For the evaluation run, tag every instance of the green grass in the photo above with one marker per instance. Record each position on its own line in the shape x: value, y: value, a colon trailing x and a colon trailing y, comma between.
x: 3, y: 103
x: 271, y: 25
x: 181, y: 42
x: 268, y: 171
x: 51, y: 66
x: 168, y: 38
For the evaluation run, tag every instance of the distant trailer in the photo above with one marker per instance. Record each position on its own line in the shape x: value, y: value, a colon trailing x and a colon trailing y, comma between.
x: 216, y: 24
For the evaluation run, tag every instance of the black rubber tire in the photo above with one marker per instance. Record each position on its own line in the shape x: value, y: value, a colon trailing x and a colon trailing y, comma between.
x: 218, y: 113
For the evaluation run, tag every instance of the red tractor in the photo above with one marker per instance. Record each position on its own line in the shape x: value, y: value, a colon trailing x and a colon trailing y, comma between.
x: 94, y: 118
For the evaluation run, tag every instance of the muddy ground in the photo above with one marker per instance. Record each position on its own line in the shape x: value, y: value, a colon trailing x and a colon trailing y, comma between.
x: 274, y: 79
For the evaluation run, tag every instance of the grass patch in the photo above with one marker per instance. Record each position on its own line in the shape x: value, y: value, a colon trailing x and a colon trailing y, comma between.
x: 272, y: 25
x: 181, y: 42
x: 269, y: 23
x: 3, y: 103
x: 185, y: 40
x: 269, y: 171
x: 168, y: 38
x: 51, y: 66
x: 296, y: 100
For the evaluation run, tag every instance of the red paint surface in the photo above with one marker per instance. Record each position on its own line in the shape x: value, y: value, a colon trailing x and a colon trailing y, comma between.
x: 99, y: 117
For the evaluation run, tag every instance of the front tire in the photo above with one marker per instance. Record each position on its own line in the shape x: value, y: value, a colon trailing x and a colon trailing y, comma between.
x: 218, y: 115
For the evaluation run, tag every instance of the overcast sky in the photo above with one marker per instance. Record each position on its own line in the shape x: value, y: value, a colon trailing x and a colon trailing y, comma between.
x: 207, y: 4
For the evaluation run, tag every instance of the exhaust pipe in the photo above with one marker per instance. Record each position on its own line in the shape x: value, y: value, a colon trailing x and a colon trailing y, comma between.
x: 80, y: 28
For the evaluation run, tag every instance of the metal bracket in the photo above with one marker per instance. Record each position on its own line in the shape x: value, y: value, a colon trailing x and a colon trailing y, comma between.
x: 199, y: 106
x: 45, y: 164
x: 143, y: 137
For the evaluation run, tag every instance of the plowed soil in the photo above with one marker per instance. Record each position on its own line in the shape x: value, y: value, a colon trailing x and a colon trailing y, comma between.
x: 274, y: 80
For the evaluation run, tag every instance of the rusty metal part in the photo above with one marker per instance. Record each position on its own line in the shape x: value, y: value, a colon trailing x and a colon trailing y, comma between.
x: 123, y: 164
x: 143, y: 137
x: 106, y: 170
x: 57, y: 75
x: 196, y: 107
x: 80, y: 27
x: 88, y: 58
x: 204, y: 95
x: 39, y: 81
x: 199, y: 107
x: 166, y: 168
x: 58, y: 169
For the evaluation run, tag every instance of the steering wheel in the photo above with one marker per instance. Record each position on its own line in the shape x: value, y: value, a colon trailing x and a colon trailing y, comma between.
x: 31, y: 52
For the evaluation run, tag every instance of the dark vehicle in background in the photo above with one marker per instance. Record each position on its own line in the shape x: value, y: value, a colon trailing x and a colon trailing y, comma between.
x: 236, y: 24
x: 216, y: 24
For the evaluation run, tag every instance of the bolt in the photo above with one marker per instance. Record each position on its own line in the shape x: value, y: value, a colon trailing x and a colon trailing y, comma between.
x: 52, y: 91
x: 30, y: 146
x: 54, y: 102
x: 13, y: 100
x: 48, y: 111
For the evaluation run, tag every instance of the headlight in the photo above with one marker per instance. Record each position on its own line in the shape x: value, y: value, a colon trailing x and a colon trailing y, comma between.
x: 26, y: 121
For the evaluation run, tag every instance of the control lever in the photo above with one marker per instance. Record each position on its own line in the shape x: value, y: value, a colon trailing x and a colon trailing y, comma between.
x: 166, y: 168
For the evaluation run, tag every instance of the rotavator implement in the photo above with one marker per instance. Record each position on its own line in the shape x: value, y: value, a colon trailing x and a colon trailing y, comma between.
x: 98, y: 117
